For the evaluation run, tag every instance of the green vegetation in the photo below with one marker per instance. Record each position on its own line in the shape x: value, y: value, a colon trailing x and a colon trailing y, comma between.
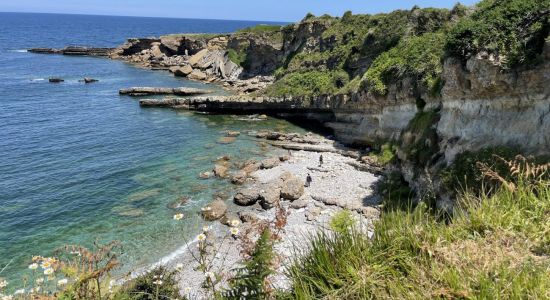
x: 342, y: 221
x: 378, y: 50
x: 417, y: 57
x: 251, y: 280
x: 419, y: 139
x: 157, y: 284
x: 261, y: 28
x: 384, y: 155
x: 496, y: 247
x: 513, y: 30
x: 238, y: 57
x: 396, y: 193
x: 308, y: 84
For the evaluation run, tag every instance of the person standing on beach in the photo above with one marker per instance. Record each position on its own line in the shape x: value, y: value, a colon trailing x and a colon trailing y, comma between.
x: 321, y: 160
x: 308, y: 180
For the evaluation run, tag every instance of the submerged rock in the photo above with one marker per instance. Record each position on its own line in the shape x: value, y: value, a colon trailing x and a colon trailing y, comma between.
x: 214, y: 210
x: 179, y: 202
x: 221, y: 170
x: 56, y: 80
x: 226, y: 140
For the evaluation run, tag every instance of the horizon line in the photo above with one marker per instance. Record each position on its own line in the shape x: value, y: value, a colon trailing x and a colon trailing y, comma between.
x: 133, y: 16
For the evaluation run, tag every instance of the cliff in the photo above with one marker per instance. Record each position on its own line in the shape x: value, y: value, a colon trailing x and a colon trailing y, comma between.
x: 434, y: 82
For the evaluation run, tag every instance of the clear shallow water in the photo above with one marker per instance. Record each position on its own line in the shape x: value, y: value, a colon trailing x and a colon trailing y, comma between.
x: 79, y: 163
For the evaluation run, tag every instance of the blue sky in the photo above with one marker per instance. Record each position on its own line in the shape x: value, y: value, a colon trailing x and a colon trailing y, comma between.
x: 265, y: 10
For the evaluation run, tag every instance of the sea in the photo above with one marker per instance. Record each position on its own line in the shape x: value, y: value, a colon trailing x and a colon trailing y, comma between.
x: 81, y: 165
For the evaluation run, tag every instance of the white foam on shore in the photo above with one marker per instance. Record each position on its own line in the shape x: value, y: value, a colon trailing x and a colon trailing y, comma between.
x: 38, y: 79
x: 19, y: 51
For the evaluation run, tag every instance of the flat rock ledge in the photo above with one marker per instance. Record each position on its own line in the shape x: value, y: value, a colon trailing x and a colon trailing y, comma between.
x: 76, y: 51
x: 148, y: 91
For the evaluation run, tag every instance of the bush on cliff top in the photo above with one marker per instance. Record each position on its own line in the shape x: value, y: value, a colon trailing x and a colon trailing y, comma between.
x: 310, y: 83
x: 495, y: 247
x: 417, y: 57
x: 513, y: 30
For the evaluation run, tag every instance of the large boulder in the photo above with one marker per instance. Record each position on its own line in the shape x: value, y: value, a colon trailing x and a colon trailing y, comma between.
x: 197, y: 75
x: 251, y: 166
x: 221, y: 170
x: 239, y: 177
x: 195, y: 59
x: 292, y: 188
x: 269, y: 196
x: 269, y: 163
x: 214, y: 211
x: 246, y: 197
x: 182, y: 71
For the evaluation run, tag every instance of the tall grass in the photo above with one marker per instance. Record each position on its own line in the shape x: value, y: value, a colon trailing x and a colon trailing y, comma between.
x: 497, y: 247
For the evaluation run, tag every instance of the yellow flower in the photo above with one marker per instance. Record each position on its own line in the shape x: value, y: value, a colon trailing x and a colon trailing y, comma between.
x: 235, y: 223
x: 234, y: 231
x: 48, y: 271
x: 201, y: 237
x: 33, y: 266
x: 178, y: 217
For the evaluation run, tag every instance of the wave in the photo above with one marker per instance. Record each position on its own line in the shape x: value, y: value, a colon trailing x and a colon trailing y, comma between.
x: 19, y: 50
x: 38, y: 79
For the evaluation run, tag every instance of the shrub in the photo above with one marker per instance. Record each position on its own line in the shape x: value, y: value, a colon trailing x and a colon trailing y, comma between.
x: 422, y: 141
x: 261, y: 28
x: 513, y: 30
x: 158, y: 284
x: 396, y: 193
x: 250, y: 282
x: 417, y: 57
x: 308, y: 84
x: 238, y: 57
x: 342, y: 221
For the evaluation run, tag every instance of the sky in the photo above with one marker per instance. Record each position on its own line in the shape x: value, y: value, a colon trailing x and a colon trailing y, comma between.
x: 257, y: 10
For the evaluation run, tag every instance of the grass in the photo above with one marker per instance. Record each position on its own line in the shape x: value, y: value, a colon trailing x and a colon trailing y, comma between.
x: 238, y: 57
x: 261, y: 28
x: 308, y: 83
x: 497, y: 247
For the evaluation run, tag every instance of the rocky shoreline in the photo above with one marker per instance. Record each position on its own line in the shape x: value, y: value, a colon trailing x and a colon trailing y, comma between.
x: 270, y: 186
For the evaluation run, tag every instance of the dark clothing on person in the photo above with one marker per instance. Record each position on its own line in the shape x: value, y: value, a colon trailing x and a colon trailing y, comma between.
x: 308, y: 180
x: 320, y: 160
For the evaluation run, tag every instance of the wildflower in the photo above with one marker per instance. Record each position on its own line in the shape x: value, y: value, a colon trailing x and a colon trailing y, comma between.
x: 33, y: 266
x: 235, y: 223
x: 36, y: 289
x: 62, y: 282
x: 187, y: 290
x: 157, y: 282
x: 178, y: 217
x: 46, y: 264
x: 208, y: 208
x: 201, y: 237
x: 205, y: 229
x: 234, y: 231
x: 37, y: 258
x: 48, y: 271
x: 155, y: 276
x: 179, y: 266
x: 39, y: 281
x: 3, y: 283
x: 19, y: 292
x: 210, y: 275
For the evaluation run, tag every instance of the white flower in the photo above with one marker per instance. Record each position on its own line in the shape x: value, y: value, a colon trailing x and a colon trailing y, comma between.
x: 178, y: 217
x: 208, y: 208
x: 187, y: 290
x: 205, y: 229
x: 46, y: 265
x: 210, y: 275
x: 3, y: 284
x: 33, y: 266
x: 234, y: 231
x: 158, y: 282
x: 179, y: 266
x: 48, y: 271
x: 201, y: 237
x: 62, y: 282
x: 19, y: 292
x: 39, y: 280
x: 235, y: 223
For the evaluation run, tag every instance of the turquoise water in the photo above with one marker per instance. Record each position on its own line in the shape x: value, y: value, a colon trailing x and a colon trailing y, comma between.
x: 79, y: 162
